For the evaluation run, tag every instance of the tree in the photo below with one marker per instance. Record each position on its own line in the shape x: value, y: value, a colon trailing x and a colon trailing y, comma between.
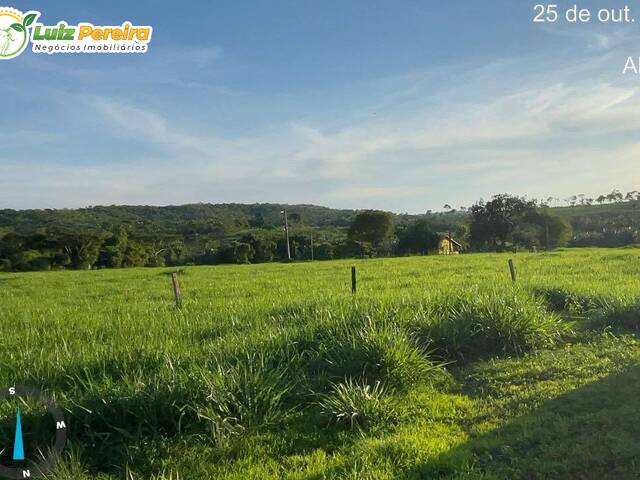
x: 417, y: 238
x: 323, y: 251
x: 354, y: 248
x: 264, y: 250
x: 615, y: 196
x: 551, y: 230
x: 526, y: 235
x: 242, y: 252
x: 113, y: 250
x: 11, y: 247
x: 257, y: 221
x: 136, y: 255
x: 375, y: 228
x: 295, y: 218
x: 558, y: 228
x: 82, y: 249
x: 60, y: 260
x: 493, y: 223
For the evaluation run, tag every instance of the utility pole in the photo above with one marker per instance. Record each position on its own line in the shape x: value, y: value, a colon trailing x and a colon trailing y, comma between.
x: 286, y: 233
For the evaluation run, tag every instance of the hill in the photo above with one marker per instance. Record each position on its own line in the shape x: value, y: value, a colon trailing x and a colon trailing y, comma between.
x: 183, y: 219
x: 117, y: 236
x: 608, y: 225
x: 206, y: 218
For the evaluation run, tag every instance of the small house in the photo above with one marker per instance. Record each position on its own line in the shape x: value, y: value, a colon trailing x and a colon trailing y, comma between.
x: 448, y: 246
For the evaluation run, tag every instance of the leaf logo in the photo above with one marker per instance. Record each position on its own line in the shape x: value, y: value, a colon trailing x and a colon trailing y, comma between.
x: 14, y: 31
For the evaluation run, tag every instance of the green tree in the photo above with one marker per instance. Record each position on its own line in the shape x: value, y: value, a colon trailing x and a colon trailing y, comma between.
x: 526, y: 235
x: 417, y: 238
x: 551, y: 228
x: 242, y: 252
x: 112, y: 254
x: 375, y: 228
x: 493, y: 223
x: 136, y: 255
x: 82, y: 249
x: 264, y: 250
x: 323, y: 251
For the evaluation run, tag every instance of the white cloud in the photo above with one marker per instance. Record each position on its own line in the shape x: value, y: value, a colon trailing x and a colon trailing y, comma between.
x: 413, y: 154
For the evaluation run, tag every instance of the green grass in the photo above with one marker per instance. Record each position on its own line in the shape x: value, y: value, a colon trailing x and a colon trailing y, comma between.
x: 437, y: 368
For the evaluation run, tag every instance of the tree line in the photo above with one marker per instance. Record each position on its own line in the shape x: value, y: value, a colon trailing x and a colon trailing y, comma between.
x: 204, y: 235
x: 615, y: 196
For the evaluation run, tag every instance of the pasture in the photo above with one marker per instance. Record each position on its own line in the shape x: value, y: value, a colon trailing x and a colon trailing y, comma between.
x: 438, y: 367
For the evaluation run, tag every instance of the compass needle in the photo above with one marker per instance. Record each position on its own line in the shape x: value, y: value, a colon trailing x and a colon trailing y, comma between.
x: 41, y: 454
x: 18, y: 444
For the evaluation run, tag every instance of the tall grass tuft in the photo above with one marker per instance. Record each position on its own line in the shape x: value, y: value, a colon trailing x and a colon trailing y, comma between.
x: 374, y: 348
x: 565, y: 300
x: 355, y: 403
x: 619, y: 314
x: 246, y: 392
x: 465, y: 327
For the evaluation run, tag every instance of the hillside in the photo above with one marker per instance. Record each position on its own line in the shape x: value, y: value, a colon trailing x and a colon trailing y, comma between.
x: 151, y: 220
x: 608, y: 225
x: 129, y: 236
x: 226, y: 219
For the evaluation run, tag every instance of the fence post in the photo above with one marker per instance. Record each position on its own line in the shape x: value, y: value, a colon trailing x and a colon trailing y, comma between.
x: 176, y: 289
x: 353, y: 280
x: 512, y: 269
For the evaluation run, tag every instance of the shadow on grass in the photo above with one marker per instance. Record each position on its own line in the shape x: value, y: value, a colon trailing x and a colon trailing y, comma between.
x: 592, y: 432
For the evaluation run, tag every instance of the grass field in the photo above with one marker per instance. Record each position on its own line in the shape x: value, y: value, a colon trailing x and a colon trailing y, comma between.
x: 437, y: 368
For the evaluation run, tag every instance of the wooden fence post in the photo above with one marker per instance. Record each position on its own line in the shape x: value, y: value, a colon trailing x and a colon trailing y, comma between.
x: 512, y: 269
x: 176, y: 289
x: 353, y: 280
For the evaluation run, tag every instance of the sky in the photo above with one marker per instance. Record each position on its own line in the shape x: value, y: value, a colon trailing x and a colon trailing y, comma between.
x: 397, y: 105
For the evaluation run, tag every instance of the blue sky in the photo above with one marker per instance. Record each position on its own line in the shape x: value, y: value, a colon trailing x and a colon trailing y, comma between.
x: 398, y: 105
